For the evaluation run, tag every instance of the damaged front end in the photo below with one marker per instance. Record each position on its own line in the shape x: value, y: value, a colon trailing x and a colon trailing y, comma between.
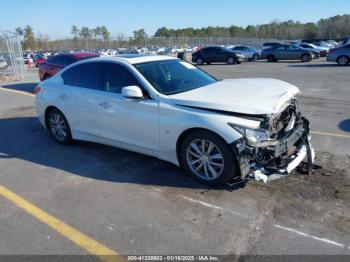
x: 277, y: 148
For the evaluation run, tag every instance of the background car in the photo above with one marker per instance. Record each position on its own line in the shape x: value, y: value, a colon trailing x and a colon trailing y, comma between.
x: 3, y: 64
x: 287, y: 52
x: 56, y: 63
x: 250, y: 52
x: 317, y: 51
x: 39, y: 59
x: 341, y: 55
x: 217, y: 54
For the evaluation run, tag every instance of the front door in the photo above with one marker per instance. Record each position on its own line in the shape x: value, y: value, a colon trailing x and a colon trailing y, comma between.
x: 130, y: 122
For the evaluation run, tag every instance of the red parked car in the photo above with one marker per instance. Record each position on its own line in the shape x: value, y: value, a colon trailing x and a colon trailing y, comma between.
x: 56, y: 63
x: 38, y: 60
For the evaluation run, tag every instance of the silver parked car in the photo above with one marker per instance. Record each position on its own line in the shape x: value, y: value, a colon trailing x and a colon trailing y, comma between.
x: 250, y: 52
x: 287, y: 52
x: 341, y: 55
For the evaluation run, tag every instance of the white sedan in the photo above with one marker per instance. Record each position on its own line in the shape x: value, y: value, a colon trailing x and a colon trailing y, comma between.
x: 219, y: 131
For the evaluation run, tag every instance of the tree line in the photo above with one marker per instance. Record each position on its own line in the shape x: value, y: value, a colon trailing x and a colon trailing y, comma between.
x: 337, y: 27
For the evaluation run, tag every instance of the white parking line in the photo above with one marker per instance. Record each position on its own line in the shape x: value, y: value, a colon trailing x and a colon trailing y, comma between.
x: 202, y: 203
x: 331, y: 242
x: 213, y: 206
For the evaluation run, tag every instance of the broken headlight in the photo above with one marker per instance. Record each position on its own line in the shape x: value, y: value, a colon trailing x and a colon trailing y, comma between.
x: 253, y: 136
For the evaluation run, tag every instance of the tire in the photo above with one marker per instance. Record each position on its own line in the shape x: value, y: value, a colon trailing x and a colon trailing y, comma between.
x: 306, y: 58
x: 199, y: 61
x: 271, y: 58
x: 58, y: 127
x: 255, y: 58
x: 343, y: 60
x: 231, y: 60
x: 203, y: 167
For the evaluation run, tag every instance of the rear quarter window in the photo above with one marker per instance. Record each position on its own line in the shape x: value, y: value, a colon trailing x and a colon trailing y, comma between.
x: 68, y: 76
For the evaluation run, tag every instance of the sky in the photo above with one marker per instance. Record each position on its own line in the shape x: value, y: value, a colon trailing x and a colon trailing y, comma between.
x: 56, y: 17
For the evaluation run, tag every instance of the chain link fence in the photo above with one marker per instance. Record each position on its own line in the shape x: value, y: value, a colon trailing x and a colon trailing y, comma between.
x: 11, y: 57
x: 165, y: 42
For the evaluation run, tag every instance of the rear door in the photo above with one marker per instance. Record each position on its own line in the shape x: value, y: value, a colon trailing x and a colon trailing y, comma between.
x: 208, y: 54
x: 82, y: 97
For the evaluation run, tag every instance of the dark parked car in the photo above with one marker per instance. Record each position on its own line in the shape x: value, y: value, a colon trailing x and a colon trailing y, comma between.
x: 216, y: 54
x: 287, y: 52
x: 56, y: 63
x: 341, y: 55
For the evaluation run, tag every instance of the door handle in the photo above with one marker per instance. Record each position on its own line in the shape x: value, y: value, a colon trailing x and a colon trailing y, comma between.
x: 63, y: 96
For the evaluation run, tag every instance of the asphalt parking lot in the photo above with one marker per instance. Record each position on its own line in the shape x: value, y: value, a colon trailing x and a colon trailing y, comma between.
x: 119, y: 202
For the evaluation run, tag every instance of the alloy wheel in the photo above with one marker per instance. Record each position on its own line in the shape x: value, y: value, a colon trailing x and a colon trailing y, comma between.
x: 58, y: 127
x: 343, y: 60
x: 205, y: 159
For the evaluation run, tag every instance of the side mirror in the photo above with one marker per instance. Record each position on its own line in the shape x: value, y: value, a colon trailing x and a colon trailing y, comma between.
x: 132, y: 92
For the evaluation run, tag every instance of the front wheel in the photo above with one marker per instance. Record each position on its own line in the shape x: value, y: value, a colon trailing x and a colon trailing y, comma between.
x: 208, y: 158
x: 59, y: 127
x: 306, y: 58
x: 231, y: 60
x: 343, y: 61
x: 255, y: 57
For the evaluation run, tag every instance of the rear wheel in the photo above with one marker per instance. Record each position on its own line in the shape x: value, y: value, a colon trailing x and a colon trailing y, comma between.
x: 199, y: 61
x: 306, y: 58
x: 343, y: 60
x: 59, y: 127
x: 208, y: 158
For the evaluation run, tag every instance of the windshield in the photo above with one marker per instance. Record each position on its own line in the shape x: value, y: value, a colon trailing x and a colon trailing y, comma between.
x: 174, y: 76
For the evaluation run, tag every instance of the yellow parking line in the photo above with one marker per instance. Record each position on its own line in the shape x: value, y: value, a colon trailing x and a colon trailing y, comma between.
x: 82, y: 240
x: 329, y: 134
x: 17, y: 91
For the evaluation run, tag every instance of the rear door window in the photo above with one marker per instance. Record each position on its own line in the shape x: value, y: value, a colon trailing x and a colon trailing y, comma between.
x: 68, y: 76
x: 87, y: 75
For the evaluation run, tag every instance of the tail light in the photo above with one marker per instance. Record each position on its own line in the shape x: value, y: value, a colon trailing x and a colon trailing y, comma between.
x: 37, y: 90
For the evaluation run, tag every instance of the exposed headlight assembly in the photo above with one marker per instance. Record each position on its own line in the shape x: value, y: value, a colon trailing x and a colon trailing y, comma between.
x: 253, y: 136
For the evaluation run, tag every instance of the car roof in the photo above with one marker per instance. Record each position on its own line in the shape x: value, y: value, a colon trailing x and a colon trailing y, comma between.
x: 81, y: 54
x: 135, y: 58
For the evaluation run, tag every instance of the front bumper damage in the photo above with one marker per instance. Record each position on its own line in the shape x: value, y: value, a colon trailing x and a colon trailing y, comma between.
x: 270, y: 160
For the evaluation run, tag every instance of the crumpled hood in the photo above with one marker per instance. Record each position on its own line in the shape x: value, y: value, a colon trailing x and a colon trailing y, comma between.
x: 255, y: 96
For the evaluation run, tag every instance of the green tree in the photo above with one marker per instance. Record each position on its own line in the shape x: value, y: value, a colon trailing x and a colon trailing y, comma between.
x: 85, y: 33
x: 140, y: 36
x: 29, y: 40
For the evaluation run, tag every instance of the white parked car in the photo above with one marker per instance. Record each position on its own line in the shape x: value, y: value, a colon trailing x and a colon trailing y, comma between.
x: 219, y: 131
